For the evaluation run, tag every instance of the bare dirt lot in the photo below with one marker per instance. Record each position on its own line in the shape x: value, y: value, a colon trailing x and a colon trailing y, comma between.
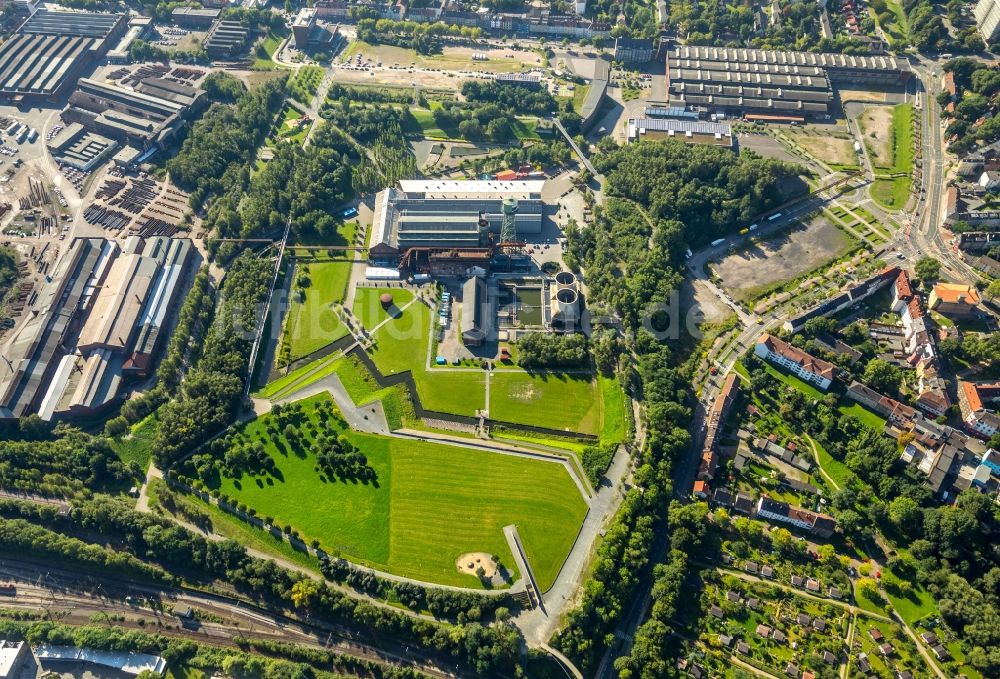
x: 831, y: 146
x: 876, y: 121
x: 861, y: 95
x: 450, y: 58
x: 759, y: 268
x: 768, y: 147
x: 698, y: 300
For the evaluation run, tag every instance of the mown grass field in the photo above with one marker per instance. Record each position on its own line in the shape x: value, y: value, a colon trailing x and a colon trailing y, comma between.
x: 368, y: 309
x: 867, y: 417
x: 312, y: 323
x: 265, y: 53
x: 405, y: 523
x: 565, y: 402
x: 891, y: 193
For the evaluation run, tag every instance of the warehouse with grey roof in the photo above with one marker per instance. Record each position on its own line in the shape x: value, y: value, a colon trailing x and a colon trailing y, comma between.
x: 226, y: 39
x: 93, y: 326
x: 102, y: 117
x: 771, y: 82
x: 49, y: 51
x: 448, y: 213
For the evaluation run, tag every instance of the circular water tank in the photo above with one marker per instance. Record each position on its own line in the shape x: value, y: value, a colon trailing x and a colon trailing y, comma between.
x: 565, y: 279
x: 385, y: 299
x: 566, y: 303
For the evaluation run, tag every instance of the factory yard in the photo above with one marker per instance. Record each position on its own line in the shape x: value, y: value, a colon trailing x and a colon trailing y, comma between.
x: 831, y: 145
x: 401, y: 519
x: 759, y: 268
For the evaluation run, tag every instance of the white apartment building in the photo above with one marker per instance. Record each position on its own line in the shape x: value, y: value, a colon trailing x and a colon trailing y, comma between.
x: 987, y: 14
x: 804, y: 366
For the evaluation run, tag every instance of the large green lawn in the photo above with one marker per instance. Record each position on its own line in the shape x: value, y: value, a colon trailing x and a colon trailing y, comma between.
x: 369, y: 311
x: 891, y: 193
x: 401, y: 345
x: 405, y: 522
x: 312, y: 323
x: 615, y: 413
x: 567, y: 402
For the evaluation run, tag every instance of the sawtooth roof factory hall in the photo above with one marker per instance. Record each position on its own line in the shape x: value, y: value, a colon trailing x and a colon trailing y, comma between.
x: 772, y: 83
x: 50, y: 50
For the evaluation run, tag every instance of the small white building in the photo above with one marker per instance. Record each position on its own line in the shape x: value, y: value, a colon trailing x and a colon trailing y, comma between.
x: 989, y: 180
x: 16, y: 660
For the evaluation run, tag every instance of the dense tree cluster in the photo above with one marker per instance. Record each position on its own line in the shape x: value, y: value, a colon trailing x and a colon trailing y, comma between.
x: 978, y: 349
x: 509, y: 97
x: 257, y: 659
x: 221, y: 87
x: 596, y: 459
x: 371, y: 95
x: 928, y: 31
x: 734, y: 24
x: 977, y: 84
x: 363, y: 123
x: 488, y: 649
x: 8, y: 271
x: 618, y: 564
x: 649, y: 656
x: 380, y: 130
x: 425, y: 38
x: 257, y: 16
x: 550, y: 351
x: 442, y: 603
x: 18, y: 536
x: 489, y: 108
x: 340, y: 459
x: 662, y: 198
x: 208, y: 397
x: 218, y: 151
x: 67, y: 464
x: 540, y: 154
x: 193, y: 320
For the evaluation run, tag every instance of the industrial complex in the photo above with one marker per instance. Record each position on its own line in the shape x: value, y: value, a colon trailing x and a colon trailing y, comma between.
x: 447, y: 214
x: 45, y: 55
x: 772, y: 83
x: 95, y: 323
x: 473, y: 233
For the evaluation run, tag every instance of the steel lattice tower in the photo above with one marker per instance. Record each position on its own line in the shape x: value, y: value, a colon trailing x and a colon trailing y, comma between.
x: 508, y: 227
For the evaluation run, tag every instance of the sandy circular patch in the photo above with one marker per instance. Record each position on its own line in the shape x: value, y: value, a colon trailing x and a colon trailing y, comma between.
x: 469, y: 563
